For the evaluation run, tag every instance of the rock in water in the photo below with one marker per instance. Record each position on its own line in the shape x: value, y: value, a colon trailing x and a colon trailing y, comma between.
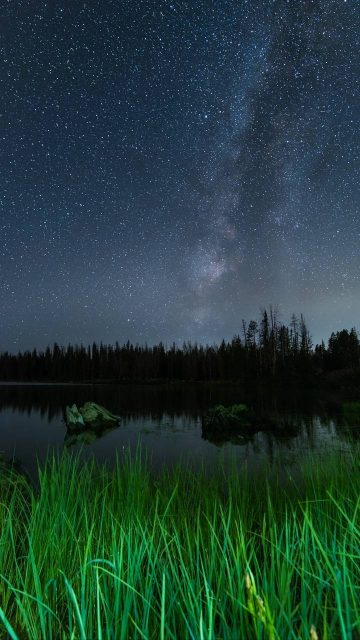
x: 94, y: 413
x: 90, y: 415
x: 73, y: 417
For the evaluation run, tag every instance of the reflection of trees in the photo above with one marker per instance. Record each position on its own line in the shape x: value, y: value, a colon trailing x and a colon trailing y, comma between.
x: 154, y: 400
x: 219, y: 439
x: 289, y: 432
x: 284, y: 426
x: 292, y: 412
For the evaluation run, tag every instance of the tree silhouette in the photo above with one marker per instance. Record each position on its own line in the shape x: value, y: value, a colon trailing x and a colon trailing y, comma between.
x: 267, y: 349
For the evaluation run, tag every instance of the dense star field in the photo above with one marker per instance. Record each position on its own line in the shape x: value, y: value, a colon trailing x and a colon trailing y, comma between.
x: 169, y: 167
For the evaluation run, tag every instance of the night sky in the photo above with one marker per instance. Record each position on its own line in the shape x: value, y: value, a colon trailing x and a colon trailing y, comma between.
x: 169, y: 167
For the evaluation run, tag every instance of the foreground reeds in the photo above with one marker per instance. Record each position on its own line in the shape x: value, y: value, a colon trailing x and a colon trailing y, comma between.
x: 92, y: 553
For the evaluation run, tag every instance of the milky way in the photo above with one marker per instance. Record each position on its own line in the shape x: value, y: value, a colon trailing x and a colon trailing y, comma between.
x: 170, y: 167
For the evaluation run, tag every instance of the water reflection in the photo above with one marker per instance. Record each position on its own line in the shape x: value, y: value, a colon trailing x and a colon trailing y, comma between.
x: 173, y: 399
x: 87, y: 436
x: 167, y: 422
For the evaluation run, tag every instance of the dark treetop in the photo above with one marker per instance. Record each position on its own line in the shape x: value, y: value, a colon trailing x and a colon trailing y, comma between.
x: 266, y: 351
x: 169, y: 166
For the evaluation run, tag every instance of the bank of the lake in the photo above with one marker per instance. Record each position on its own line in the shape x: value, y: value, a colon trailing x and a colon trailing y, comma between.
x: 131, y: 553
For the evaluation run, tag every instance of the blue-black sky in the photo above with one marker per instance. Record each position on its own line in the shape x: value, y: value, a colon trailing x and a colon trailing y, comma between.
x: 169, y: 167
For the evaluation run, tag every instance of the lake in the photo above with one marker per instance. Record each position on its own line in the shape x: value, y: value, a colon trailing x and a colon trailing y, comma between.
x: 166, y: 421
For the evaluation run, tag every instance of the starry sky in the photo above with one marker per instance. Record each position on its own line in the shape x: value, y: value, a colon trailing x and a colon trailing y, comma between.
x: 169, y: 167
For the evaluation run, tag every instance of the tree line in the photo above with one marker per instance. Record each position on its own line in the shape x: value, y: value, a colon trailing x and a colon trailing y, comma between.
x: 264, y: 349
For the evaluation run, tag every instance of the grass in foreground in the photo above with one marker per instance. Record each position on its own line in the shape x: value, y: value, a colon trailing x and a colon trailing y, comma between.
x: 123, y: 554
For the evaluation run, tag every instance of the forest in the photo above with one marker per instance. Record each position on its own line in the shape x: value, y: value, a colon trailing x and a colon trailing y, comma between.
x: 263, y: 349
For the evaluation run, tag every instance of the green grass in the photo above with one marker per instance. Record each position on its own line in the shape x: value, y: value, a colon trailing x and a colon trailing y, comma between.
x: 93, y: 553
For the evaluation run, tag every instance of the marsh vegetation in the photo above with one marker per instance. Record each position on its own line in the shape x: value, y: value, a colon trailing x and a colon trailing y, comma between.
x: 130, y: 553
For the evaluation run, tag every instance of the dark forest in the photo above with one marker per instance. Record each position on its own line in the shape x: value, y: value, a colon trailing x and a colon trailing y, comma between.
x: 264, y: 349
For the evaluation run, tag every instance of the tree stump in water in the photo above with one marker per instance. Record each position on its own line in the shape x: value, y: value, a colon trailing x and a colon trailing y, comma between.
x: 90, y: 415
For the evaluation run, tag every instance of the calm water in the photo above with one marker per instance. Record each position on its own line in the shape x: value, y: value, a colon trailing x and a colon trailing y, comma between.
x: 166, y: 420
